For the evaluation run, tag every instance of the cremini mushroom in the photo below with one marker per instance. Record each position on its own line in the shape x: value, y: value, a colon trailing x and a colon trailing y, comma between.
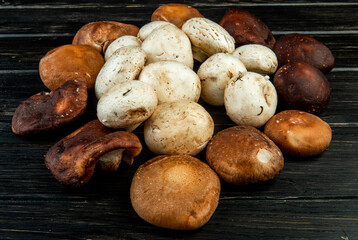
x: 72, y: 160
x: 176, y: 192
x: 243, y: 155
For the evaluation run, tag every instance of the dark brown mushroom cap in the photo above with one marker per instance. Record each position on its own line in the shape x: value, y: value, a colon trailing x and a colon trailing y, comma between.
x: 72, y: 160
x: 177, y: 192
x: 246, y: 28
x: 299, y: 133
x: 243, y: 155
x: 175, y: 13
x: 46, y: 111
x: 100, y: 34
x: 295, y: 47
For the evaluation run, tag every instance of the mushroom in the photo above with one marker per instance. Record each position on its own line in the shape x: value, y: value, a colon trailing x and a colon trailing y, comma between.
x: 70, y: 62
x: 127, y: 40
x: 208, y: 36
x: 176, y: 192
x: 171, y: 81
x: 175, y: 13
x: 46, y: 111
x: 148, y: 28
x: 125, y: 64
x: 127, y: 104
x: 299, y: 133
x: 178, y: 127
x: 100, y: 34
x: 72, y: 160
x: 250, y: 99
x: 168, y: 43
x: 243, y: 155
x: 214, y: 75
x: 257, y: 58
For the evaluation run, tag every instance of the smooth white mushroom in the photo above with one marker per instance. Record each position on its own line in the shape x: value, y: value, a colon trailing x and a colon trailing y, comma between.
x: 172, y: 81
x: 127, y: 40
x: 168, y: 43
x: 214, y: 75
x: 148, y: 28
x: 250, y: 99
x: 125, y: 64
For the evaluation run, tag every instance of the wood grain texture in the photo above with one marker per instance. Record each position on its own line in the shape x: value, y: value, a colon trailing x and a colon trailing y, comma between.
x: 312, y: 198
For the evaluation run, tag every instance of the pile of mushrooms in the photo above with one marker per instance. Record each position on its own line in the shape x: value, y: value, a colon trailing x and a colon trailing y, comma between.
x: 155, y: 76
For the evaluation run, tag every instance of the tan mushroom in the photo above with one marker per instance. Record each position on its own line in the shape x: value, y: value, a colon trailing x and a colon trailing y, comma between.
x: 243, y: 155
x: 177, y: 192
x: 72, y: 160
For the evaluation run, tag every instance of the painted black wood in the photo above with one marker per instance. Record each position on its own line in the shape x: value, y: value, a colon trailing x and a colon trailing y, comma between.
x: 313, y: 198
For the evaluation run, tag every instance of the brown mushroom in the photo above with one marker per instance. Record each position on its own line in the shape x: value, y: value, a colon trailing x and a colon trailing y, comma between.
x: 175, y: 13
x: 177, y: 192
x: 295, y: 47
x: 299, y: 133
x: 100, y: 34
x: 246, y: 28
x: 70, y: 62
x: 46, y: 111
x: 243, y: 155
x: 72, y: 160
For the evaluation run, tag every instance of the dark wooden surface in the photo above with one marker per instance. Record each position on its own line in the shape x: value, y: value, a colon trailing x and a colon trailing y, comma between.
x: 312, y: 198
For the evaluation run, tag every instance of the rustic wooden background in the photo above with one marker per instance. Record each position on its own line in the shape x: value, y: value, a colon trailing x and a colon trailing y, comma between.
x: 312, y: 198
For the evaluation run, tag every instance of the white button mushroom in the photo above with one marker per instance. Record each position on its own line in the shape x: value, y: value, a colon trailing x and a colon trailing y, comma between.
x: 179, y: 127
x: 125, y: 64
x: 127, y: 104
x: 209, y: 36
x: 148, y: 28
x: 250, y: 99
x: 214, y: 75
x: 257, y: 58
x: 172, y: 81
x: 127, y: 40
x: 168, y: 43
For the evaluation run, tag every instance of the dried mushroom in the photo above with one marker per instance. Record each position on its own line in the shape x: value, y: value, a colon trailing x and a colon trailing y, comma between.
x: 47, y: 111
x: 72, y: 160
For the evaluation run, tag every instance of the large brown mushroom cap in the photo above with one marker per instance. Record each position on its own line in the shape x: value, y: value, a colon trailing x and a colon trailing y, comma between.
x: 72, y: 160
x: 46, y: 111
x: 70, y: 62
x: 177, y: 192
x: 299, y: 133
x: 175, y: 13
x: 243, y: 155
x: 100, y: 34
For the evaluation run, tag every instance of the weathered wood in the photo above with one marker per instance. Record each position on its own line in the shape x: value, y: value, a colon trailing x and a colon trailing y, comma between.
x: 312, y: 198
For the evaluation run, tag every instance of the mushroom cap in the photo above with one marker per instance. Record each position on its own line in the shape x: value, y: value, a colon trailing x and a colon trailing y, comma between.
x: 168, y: 42
x: 257, y: 58
x: 172, y: 81
x: 126, y: 104
x: 177, y: 192
x: 125, y: 64
x: 148, y: 28
x: 70, y: 62
x: 250, y: 99
x: 179, y: 127
x: 208, y: 36
x: 214, y: 75
x: 299, y: 133
x: 100, y: 34
x: 127, y: 40
x: 175, y: 13
x: 243, y: 155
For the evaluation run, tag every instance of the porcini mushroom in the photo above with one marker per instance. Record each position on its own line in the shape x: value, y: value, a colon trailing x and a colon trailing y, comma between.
x: 177, y: 192
x: 72, y: 160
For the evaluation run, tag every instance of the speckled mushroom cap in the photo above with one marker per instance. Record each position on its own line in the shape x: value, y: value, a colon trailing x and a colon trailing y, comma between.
x: 177, y: 192
x: 299, y: 133
x: 242, y: 155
